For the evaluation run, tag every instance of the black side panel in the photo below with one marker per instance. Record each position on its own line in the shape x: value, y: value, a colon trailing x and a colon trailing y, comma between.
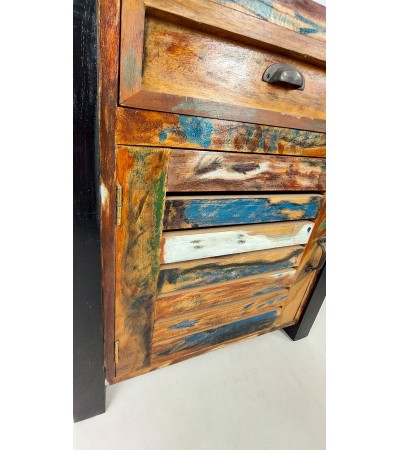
x: 301, y: 329
x: 89, y: 388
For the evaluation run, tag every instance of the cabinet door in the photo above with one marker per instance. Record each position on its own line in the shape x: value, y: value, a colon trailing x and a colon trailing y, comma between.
x: 204, y: 256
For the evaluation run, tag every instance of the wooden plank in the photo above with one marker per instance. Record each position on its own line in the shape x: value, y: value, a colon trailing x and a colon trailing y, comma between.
x: 303, y: 16
x: 192, y: 244
x: 109, y: 23
x: 216, y: 316
x: 192, y: 274
x: 223, y: 21
x: 139, y: 127
x: 132, y: 23
x: 300, y: 291
x: 213, y: 211
x: 141, y: 173
x: 192, y: 170
x: 195, y: 299
x: 178, y: 348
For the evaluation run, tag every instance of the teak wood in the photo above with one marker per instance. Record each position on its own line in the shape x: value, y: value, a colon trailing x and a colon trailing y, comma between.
x: 211, y: 183
x: 167, y: 63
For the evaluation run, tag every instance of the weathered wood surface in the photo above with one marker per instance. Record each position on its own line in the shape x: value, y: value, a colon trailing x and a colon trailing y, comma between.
x: 192, y: 244
x: 223, y: 21
x: 216, y: 316
x: 141, y: 173
x: 205, y: 272
x: 303, y: 16
x: 192, y: 170
x: 109, y: 32
x: 132, y: 23
x: 174, y: 49
x: 196, y: 59
x: 178, y: 348
x: 200, y: 298
x: 302, y: 287
x: 140, y: 127
x: 213, y: 211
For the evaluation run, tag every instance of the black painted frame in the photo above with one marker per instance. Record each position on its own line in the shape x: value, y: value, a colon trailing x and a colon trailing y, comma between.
x: 302, y: 328
x: 88, y: 371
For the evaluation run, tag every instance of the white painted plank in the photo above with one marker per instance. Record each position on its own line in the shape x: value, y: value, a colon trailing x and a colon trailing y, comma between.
x: 189, y: 245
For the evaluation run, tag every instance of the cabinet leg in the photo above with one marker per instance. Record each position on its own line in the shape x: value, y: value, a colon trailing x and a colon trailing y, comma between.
x: 301, y: 329
x: 88, y: 372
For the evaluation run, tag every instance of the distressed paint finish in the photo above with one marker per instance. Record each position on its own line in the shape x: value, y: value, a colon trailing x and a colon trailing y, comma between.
x: 205, y: 297
x: 192, y: 170
x: 305, y: 16
x: 213, y: 211
x: 139, y: 127
x: 208, y: 67
x: 192, y: 244
x: 177, y: 348
x: 193, y: 274
x: 141, y: 173
x: 189, y: 41
x: 300, y: 291
x: 216, y: 316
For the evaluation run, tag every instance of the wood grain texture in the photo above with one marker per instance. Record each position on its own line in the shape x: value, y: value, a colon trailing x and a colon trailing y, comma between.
x: 204, y: 272
x: 303, y: 16
x: 109, y: 29
x: 175, y: 49
x: 192, y: 170
x: 300, y: 291
x: 192, y: 244
x: 141, y: 173
x: 132, y: 22
x: 208, y: 67
x: 216, y: 316
x: 205, y: 297
x: 178, y: 348
x: 139, y: 127
x: 220, y: 20
x: 213, y: 211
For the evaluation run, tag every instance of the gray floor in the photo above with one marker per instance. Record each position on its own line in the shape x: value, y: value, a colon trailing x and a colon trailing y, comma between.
x: 260, y: 394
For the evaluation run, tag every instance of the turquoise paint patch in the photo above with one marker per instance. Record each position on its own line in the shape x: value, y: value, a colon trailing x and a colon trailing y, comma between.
x: 184, y: 324
x: 217, y: 335
x: 197, y: 129
x: 162, y: 135
x: 248, y: 306
x: 241, y: 211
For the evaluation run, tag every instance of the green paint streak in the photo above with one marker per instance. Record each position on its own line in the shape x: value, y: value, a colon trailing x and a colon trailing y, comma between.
x: 322, y: 225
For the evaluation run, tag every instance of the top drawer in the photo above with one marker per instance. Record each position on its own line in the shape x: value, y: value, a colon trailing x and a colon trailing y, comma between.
x: 201, y: 58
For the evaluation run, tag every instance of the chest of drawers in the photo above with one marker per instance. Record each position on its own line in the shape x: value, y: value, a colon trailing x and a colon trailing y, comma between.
x: 212, y: 173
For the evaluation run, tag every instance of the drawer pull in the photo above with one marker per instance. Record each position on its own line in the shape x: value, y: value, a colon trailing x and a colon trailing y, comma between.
x: 284, y: 74
x: 321, y: 242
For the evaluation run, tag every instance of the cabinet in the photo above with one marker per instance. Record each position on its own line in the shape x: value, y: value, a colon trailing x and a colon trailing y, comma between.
x: 212, y: 173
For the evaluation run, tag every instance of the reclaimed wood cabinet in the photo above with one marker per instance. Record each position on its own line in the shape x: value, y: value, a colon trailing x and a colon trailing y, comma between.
x: 212, y: 173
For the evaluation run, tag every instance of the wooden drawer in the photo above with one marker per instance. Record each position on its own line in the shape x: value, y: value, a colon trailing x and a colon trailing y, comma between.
x: 200, y: 58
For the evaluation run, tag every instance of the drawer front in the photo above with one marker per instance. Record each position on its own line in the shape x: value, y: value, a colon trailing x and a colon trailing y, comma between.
x: 177, y: 68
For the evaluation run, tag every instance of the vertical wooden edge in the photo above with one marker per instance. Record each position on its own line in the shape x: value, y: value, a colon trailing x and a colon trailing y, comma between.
x: 109, y: 14
x: 141, y: 172
x: 88, y: 361
x: 132, y: 39
x: 302, y: 328
x: 300, y: 290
